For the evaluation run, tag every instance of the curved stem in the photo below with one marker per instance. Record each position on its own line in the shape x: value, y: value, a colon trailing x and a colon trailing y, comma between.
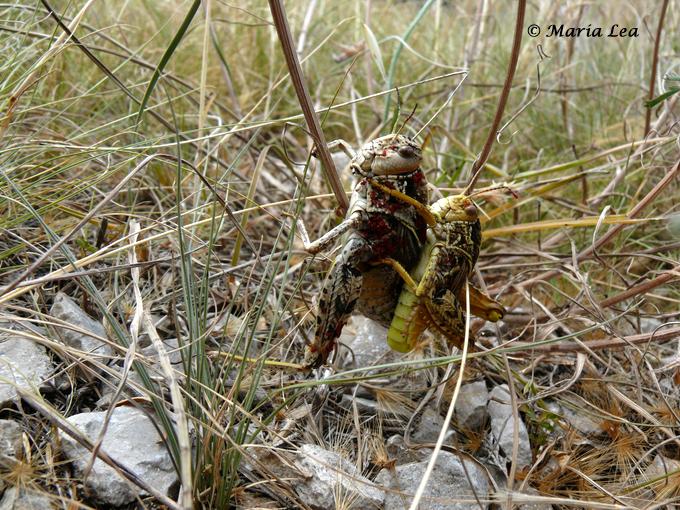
x: 512, y: 66
x: 655, y: 63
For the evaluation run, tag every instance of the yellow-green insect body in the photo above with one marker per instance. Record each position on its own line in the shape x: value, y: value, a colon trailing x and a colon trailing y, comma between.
x: 434, y: 296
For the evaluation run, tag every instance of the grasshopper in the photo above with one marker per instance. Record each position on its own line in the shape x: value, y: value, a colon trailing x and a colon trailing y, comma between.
x: 434, y: 295
x: 382, y: 222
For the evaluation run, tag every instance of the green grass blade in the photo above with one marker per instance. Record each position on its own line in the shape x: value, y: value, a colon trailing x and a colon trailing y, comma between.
x: 660, y: 99
x: 167, y: 56
x: 395, y: 58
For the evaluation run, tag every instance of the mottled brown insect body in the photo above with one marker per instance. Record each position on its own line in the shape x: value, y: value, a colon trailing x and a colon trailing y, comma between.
x: 378, y: 225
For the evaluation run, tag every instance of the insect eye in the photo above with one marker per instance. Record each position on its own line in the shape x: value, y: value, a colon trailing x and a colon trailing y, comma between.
x: 471, y: 210
x: 406, y: 151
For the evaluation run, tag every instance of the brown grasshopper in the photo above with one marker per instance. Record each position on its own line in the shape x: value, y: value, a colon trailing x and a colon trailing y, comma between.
x: 378, y: 225
x: 434, y: 294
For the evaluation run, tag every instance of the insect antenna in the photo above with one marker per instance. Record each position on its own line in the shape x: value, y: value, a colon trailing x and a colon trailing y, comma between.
x: 494, y: 188
x: 410, y: 116
x: 446, y: 103
x: 397, y: 111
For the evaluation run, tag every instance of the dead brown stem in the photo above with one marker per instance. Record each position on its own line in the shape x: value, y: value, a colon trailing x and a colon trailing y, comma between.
x: 608, y: 343
x: 288, y: 47
x: 642, y: 288
x: 502, y: 100
x: 655, y: 63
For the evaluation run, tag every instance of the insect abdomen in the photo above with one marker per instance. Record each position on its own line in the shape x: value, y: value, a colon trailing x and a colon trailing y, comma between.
x: 399, y: 335
x: 410, y: 316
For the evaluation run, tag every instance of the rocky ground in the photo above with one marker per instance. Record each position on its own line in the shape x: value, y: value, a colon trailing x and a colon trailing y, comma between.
x: 485, y: 443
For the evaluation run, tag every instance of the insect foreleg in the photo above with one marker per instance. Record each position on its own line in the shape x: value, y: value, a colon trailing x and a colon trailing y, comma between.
x: 344, y: 147
x: 341, y: 144
x: 421, y: 208
x: 329, y: 237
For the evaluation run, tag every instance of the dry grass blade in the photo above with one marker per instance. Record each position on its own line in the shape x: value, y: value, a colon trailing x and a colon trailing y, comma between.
x: 618, y: 219
x: 614, y: 231
x: 93, y: 212
x: 142, y: 318
x: 172, y: 47
x: 655, y: 64
x: 449, y: 413
x: 183, y: 437
x: 594, y: 345
x: 90, y: 208
x: 295, y: 70
x: 643, y: 288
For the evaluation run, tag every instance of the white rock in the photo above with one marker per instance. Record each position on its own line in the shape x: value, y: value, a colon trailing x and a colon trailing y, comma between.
x: 10, y: 439
x: 65, y: 309
x: 329, y: 475
x: 367, y: 340
x: 503, y: 426
x: 23, y: 364
x: 453, y: 484
x: 429, y: 426
x: 26, y: 499
x: 661, y: 466
x: 581, y: 421
x: 130, y: 439
x: 471, y: 410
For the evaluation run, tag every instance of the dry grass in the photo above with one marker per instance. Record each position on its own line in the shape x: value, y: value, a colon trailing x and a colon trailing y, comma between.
x: 592, y: 295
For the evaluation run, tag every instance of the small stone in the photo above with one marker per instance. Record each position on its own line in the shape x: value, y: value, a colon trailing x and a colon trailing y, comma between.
x: 10, y: 439
x: 368, y: 343
x: 110, y: 387
x: 429, y: 426
x: 581, y: 421
x: 131, y: 439
x: 24, y: 364
x: 471, y: 410
x: 503, y: 426
x: 333, y: 482
x: 172, y: 349
x: 66, y: 310
x: 662, y: 466
x: 26, y: 499
x: 453, y: 484
x: 398, y: 451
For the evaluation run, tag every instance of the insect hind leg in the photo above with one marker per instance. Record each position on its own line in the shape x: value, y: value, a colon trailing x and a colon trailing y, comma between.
x: 396, y: 265
x: 482, y: 305
x: 338, y: 298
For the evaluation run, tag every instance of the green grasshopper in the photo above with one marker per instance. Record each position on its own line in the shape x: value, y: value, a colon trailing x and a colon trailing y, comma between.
x: 434, y: 295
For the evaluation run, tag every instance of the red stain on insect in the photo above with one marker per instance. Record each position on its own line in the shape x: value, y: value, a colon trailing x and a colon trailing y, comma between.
x: 384, y: 202
x: 376, y: 226
x: 418, y: 177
